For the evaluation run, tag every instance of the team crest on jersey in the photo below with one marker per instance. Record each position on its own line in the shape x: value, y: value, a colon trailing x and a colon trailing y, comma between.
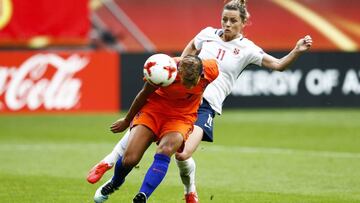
x: 236, y: 51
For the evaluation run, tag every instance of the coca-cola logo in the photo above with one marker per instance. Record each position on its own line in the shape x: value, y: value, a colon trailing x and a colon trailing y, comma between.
x: 43, y: 80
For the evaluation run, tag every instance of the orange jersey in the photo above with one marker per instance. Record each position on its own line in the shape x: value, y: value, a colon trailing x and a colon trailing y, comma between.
x: 175, y: 101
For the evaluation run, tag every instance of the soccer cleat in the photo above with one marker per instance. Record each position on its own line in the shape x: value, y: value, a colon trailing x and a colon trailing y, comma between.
x: 103, y: 192
x: 191, y: 198
x: 140, y: 198
x: 97, y: 172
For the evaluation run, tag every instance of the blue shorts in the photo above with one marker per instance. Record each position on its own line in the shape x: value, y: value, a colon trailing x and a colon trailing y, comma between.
x: 205, y: 120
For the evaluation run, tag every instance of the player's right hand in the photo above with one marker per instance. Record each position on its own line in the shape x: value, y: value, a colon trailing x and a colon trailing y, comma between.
x: 120, y: 125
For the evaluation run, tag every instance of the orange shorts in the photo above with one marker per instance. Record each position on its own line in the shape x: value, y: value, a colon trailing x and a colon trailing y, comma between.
x: 162, y: 125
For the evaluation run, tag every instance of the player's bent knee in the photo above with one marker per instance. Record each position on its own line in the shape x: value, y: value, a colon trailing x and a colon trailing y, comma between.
x: 167, y: 150
x: 130, y: 160
x: 182, y: 156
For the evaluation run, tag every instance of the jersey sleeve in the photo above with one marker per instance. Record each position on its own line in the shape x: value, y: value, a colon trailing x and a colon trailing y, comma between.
x: 202, y: 36
x: 211, y: 70
x: 256, y: 55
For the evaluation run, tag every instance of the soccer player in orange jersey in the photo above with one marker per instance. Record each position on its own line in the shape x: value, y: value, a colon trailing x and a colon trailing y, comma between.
x: 233, y: 52
x: 165, y: 115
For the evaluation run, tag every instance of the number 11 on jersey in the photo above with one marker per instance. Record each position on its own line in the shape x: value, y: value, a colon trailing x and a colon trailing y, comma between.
x: 220, y: 54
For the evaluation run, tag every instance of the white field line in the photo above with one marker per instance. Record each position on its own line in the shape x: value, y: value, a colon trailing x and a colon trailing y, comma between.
x: 204, y: 149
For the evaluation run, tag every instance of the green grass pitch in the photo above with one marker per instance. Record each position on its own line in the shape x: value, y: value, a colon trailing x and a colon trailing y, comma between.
x: 259, y: 156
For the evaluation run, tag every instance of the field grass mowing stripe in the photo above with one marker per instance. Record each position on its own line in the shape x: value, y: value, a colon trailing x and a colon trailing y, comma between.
x: 212, y: 148
x: 285, y: 151
x: 54, y: 146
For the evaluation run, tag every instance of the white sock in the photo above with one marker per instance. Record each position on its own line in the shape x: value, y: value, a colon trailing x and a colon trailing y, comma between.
x: 118, y: 150
x: 187, y: 174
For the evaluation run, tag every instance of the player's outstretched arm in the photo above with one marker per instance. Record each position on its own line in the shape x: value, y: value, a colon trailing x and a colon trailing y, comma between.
x: 121, y: 124
x: 303, y: 45
x: 190, y: 49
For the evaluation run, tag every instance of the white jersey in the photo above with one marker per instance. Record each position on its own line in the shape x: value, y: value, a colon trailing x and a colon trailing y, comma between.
x: 232, y: 57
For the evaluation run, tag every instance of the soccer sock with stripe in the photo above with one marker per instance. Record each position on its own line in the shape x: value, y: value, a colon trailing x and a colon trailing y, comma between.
x: 155, y: 174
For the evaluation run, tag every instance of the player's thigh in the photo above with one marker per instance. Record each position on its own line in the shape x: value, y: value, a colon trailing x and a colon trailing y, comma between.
x: 140, y: 139
x: 191, y: 144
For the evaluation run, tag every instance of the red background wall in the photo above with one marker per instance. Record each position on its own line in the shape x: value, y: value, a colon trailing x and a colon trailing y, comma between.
x: 170, y: 25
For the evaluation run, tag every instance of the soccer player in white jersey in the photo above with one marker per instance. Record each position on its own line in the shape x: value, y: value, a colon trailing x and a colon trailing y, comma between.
x: 233, y: 52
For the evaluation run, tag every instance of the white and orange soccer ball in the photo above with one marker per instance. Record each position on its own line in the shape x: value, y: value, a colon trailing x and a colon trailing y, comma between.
x: 160, y: 69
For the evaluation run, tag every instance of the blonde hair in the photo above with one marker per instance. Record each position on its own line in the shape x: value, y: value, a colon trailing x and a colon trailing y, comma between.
x: 238, y: 5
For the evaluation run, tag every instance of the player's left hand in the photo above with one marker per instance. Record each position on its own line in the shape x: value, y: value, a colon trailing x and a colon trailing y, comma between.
x: 304, y: 44
x: 120, y: 125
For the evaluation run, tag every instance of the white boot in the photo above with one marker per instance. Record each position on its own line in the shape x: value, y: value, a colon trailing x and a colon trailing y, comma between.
x: 103, y: 192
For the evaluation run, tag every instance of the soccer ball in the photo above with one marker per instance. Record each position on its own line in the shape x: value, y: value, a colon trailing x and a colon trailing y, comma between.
x: 160, y: 70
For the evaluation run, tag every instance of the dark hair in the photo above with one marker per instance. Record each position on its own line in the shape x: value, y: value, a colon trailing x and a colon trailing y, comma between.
x: 238, y: 5
x: 191, y: 67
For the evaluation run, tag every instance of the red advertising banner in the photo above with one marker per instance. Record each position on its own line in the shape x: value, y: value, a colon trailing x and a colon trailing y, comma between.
x: 64, y: 21
x: 59, y: 81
